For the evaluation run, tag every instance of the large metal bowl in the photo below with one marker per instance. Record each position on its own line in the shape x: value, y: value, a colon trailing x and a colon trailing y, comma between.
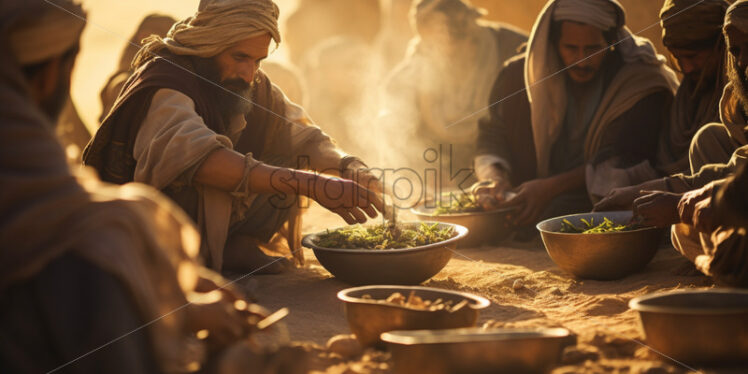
x: 476, y: 350
x: 386, y: 266
x: 604, y: 256
x: 483, y: 227
x: 368, y: 319
x: 698, y: 327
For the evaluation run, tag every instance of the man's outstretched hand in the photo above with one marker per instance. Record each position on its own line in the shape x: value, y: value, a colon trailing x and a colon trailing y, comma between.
x: 346, y: 198
x: 489, y: 194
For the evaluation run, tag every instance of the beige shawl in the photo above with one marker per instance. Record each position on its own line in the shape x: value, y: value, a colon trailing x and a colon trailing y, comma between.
x: 644, y: 73
x: 131, y: 232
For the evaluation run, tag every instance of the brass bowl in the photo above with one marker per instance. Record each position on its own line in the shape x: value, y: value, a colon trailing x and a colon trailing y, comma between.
x: 483, y: 227
x: 386, y: 266
x: 697, y: 327
x: 368, y: 319
x: 604, y: 256
x: 475, y: 350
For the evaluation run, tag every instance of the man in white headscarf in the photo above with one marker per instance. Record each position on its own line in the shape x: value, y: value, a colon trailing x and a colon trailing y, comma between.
x: 440, y: 88
x: 199, y: 121
x: 94, y: 278
x: 594, y: 100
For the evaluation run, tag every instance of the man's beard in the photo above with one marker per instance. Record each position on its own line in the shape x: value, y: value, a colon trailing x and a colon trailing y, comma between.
x: 231, y: 96
x: 738, y: 78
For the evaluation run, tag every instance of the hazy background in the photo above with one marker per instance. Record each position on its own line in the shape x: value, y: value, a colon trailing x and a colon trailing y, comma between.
x: 112, y: 22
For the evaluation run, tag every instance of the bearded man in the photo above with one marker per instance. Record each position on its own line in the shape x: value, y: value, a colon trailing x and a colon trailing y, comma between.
x: 591, y: 98
x: 94, y: 278
x: 200, y: 122
x: 717, y: 246
x: 439, y: 89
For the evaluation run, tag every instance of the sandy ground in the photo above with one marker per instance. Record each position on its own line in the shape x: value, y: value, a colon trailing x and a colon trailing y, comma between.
x: 608, y: 334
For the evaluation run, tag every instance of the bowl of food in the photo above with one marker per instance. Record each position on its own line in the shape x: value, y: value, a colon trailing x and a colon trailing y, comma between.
x: 484, y: 226
x: 697, y: 327
x: 372, y: 310
x: 476, y: 350
x: 407, y: 253
x: 602, y: 246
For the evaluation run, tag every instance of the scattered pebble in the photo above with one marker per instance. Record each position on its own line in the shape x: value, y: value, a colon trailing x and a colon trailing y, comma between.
x: 518, y: 284
x: 578, y: 355
x: 345, y: 346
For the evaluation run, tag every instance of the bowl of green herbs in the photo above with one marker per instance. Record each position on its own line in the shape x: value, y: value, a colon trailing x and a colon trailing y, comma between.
x: 406, y: 253
x: 602, y: 246
x: 485, y: 226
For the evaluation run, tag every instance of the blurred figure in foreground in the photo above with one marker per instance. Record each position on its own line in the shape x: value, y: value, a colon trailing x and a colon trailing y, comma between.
x: 96, y: 278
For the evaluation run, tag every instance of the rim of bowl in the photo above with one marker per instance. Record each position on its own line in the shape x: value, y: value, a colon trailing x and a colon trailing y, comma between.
x: 418, y: 210
x: 462, y: 231
x: 471, y: 334
x: 637, y: 303
x: 343, y: 295
x: 537, y: 226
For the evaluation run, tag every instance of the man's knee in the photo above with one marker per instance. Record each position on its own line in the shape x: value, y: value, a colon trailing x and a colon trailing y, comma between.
x: 710, y: 145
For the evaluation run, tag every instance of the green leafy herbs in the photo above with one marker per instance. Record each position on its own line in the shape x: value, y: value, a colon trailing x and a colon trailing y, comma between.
x: 385, y: 236
x: 589, y: 227
x: 464, y: 203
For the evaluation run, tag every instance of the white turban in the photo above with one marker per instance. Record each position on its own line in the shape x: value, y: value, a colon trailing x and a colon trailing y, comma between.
x: 53, y: 31
x: 218, y: 25
x: 600, y: 14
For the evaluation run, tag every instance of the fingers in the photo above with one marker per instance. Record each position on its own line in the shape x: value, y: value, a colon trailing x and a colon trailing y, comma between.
x: 345, y: 215
x: 368, y: 198
x: 351, y: 216
x: 602, y: 205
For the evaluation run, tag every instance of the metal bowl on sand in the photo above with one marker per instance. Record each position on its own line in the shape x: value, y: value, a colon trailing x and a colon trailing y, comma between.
x: 484, y: 227
x: 368, y: 317
x: 697, y: 327
x: 476, y: 350
x: 601, y: 256
x: 387, y: 266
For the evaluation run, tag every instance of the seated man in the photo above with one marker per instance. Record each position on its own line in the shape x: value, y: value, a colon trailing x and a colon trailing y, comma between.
x: 439, y: 88
x: 715, y: 144
x: 200, y: 122
x: 93, y: 278
x: 589, y: 107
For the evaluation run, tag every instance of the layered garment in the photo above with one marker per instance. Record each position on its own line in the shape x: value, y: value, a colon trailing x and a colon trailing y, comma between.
x: 506, y: 134
x: 142, y: 241
x: 163, y: 126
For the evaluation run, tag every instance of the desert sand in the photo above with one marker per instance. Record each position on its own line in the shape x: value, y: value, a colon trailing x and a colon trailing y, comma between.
x: 608, y: 332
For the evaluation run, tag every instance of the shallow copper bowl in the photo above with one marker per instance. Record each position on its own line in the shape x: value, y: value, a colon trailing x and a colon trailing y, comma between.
x: 604, y: 256
x: 697, y: 327
x: 368, y: 319
x: 475, y: 350
x: 387, y: 266
x: 484, y: 227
